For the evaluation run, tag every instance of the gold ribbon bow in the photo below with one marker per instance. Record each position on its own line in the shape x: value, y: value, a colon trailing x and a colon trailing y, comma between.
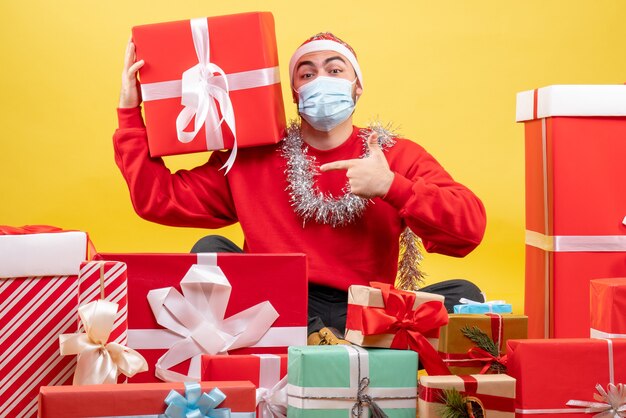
x: 99, y: 362
x: 611, y: 403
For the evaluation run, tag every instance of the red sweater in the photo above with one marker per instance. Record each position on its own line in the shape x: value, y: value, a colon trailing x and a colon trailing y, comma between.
x: 448, y: 217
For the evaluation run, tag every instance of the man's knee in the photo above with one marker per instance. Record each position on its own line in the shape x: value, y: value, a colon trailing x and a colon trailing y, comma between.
x: 215, y: 244
x: 454, y: 290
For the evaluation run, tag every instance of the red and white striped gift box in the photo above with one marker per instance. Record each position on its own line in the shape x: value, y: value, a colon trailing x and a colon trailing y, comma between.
x: 34, y: 310
x: 105, y: 280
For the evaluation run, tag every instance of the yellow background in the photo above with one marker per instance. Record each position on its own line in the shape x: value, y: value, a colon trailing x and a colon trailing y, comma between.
x: 445, y: 72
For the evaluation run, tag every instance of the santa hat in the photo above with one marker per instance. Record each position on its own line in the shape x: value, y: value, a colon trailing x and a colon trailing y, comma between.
x: 325, y: 41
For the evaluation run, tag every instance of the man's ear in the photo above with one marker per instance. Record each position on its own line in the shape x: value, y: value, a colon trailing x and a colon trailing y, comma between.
x: 294, y: 94
x: 358, y: 91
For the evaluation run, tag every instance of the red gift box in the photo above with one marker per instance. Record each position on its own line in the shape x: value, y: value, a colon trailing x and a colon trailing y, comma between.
x: 265, y: 371
x: 608, y: 304
x: 134, y: 399
x: 278, y: 278
x: 242, y: 49
x: 550, y: 373
x: 35, y: 310
x: 575, y: 205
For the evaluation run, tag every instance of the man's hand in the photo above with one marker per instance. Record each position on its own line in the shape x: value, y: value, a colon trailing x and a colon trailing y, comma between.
x: 368, y: 177
x: 130, y: 95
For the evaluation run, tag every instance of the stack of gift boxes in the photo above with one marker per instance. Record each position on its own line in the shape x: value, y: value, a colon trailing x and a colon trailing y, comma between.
x: 175, y: 335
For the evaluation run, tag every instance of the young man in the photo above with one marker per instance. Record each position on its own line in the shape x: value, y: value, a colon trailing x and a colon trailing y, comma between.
x: 338, y: 193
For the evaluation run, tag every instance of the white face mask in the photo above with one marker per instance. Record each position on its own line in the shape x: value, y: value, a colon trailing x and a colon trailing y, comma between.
x: 326, y: 102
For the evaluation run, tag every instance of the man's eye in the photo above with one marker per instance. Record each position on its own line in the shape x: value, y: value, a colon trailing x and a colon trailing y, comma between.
x: 336, y: 71
x: 307, y: 75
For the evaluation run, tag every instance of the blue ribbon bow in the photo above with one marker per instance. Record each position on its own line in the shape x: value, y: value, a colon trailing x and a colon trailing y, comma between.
x: 196, y: 404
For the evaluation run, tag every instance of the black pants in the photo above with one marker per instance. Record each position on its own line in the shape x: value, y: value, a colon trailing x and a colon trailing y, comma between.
x: 328, y: 306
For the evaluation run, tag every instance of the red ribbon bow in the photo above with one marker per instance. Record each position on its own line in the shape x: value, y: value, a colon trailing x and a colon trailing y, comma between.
x: 479, y: 354
x: 410, y: 327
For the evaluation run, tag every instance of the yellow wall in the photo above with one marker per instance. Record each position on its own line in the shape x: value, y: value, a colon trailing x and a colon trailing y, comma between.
x: 446, y: 72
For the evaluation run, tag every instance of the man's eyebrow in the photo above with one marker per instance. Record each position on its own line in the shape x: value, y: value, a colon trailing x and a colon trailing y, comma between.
x: 326, y: 61
x: 301, y: 63
x: 336, y: 57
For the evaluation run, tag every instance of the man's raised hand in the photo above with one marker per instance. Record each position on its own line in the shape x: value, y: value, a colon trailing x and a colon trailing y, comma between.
x: 368, y: 177
x: 130, y: 94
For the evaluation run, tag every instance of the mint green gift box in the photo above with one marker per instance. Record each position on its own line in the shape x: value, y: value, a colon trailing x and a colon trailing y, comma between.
x: 323, y: 381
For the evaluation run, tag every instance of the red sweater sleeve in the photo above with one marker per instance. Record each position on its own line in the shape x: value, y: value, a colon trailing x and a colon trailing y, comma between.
x: 446, y: 215
x: 195, y: 198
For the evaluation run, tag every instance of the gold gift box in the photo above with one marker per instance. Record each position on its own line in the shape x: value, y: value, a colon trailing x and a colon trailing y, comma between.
x: 454, y: 345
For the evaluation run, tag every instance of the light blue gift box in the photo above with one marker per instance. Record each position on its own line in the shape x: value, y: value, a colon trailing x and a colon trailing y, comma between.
x: 471, y: 307
x: 333, y: 381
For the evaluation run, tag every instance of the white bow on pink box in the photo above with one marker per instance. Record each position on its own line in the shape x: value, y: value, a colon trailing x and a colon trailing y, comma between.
x: 197, y: 318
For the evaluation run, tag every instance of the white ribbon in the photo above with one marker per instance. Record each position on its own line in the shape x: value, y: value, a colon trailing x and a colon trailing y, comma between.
x: 151, y: 339
x: 197, y: 317
x: 271, y: 396
x: 576, y: 243
x: 99, y: 362
x: 200, y: 90
x: 489, y: 302
x: 595, y: 333
x: 272, y: 402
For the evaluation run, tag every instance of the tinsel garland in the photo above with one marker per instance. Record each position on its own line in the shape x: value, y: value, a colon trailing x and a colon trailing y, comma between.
x: 307, y: 200
x: 311, y: 204
x: 410, y: 276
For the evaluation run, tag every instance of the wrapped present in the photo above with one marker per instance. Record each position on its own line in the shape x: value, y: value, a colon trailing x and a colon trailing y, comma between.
x: 266, y: 371
x: 472, y: 343
x: 34, y: 310
x: 99, y: 359
x: 608, y: 304
x: 381, y: 316
x: 216, y: 299
x: 553, y: 373
x: 572, y: 237
x: 149, y: 400
x: 478, y: 395
x: 219, y: 73
x: 346, y: 380
x: 472, y: 307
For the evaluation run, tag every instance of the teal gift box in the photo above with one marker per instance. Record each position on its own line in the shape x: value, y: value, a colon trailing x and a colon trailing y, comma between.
x: 342, y: 381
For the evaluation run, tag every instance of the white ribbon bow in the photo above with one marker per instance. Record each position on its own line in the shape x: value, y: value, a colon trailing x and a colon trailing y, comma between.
x: 465, y: 301
x: 99, y: 362
x: 273, y: 401
x: 198, y: 319
x: 611, y: 403
x: 201, y: 88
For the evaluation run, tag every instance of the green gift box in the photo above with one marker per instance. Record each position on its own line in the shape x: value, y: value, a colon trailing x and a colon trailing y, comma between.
x: 342, y: 381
